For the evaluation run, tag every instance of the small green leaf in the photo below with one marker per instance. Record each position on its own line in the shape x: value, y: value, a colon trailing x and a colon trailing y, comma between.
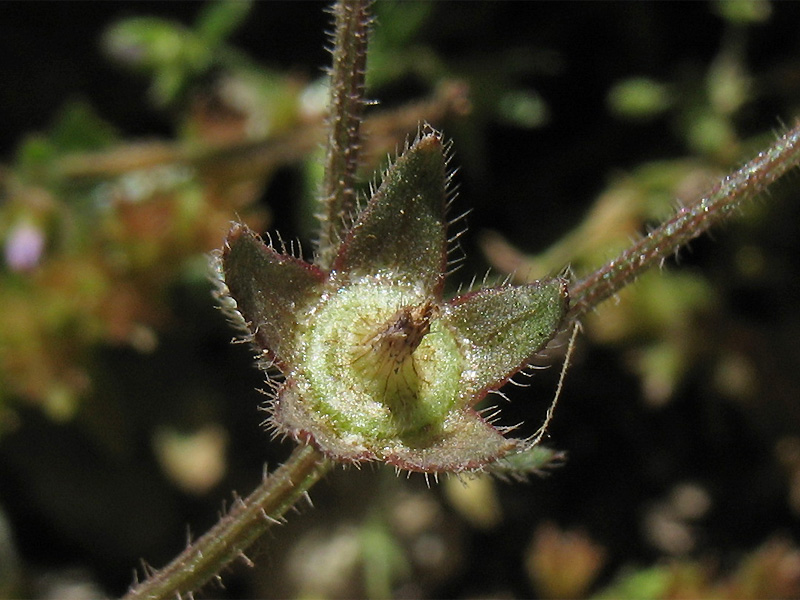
x: 402, y: 230
x: 169, y: 52
x: 35, y: 156
x: 525, y: 461
x: 271, y: 290
x: 504, y: 327
x: 639, y: 98
x: 146, y: 43
x: 79, y: 128
x: 218, y: 20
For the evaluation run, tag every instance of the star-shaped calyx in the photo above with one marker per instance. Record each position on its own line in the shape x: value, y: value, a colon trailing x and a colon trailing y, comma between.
x: 377, y: 365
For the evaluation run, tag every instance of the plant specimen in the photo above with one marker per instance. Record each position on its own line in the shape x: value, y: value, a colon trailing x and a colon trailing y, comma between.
x: 377, y: 366
x: 676, y: 416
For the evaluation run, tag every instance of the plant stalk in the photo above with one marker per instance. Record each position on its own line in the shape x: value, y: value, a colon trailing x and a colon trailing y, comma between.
x: 689, y: 222
x: 247, y: 520
x: 352, y: 18
x: 252, y: 158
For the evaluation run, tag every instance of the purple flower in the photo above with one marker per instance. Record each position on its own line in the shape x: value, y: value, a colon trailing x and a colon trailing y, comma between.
x: 24, y: 247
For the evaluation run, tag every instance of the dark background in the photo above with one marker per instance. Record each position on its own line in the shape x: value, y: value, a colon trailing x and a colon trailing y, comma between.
x: 71, y: 507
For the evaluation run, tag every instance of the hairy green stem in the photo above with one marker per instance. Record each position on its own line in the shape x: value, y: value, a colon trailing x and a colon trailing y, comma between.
x: 346, y: 107
x: 246, y: 521
x: 688, y: 223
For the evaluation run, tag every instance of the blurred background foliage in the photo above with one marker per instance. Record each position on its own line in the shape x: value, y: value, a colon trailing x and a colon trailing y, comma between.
x: 133, y: 133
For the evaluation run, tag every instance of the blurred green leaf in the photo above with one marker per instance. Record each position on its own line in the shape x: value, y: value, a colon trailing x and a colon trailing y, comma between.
x: 524, y: 108
x: 148, y: 43
x: 744, y: 11
x: 647, y: 584
x: 168, y: 51
x: 35, y: 155
x: 638, y: 98
x: 398, y: 22
x: 79, y: 128
x: 383, y: 558
x: 218, y: 20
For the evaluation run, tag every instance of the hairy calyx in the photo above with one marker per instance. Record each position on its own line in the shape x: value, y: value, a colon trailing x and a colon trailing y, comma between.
x: 378, y: 365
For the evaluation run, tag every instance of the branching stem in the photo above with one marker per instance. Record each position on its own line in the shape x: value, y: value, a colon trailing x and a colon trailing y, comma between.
x: 688, y: 223
x: 251, y: 158
x: 246, y: 521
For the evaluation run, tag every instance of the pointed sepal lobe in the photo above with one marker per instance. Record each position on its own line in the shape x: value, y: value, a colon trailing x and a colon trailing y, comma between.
x: 401, y: 232
x: 271, y: 290
x: 502, y: 328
